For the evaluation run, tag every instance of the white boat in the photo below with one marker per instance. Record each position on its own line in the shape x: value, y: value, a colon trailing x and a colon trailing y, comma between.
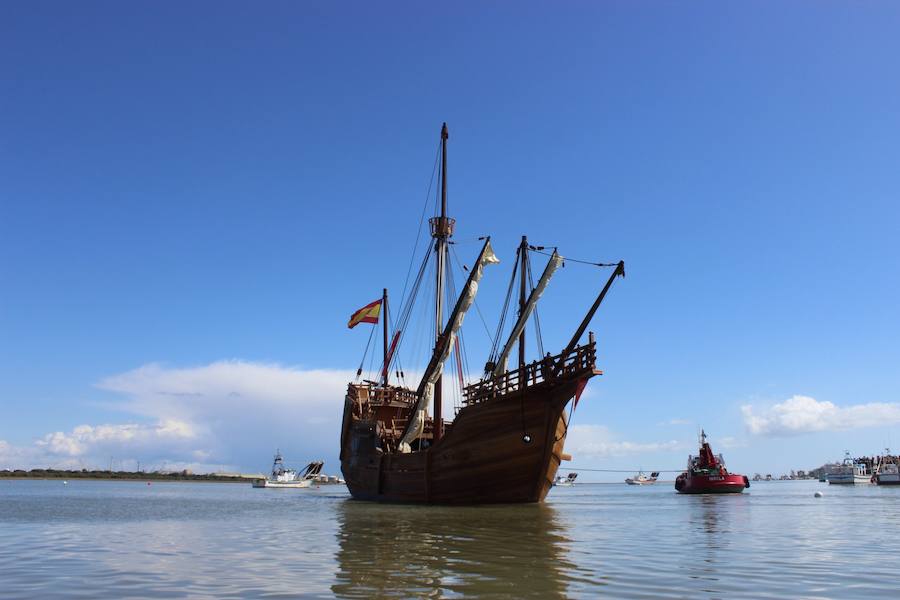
x: 569, y: 481
x: 887, y: 471
x: 323, y: 479
x: 849, y: 472
x: 641, y: 479
x: 282, y: 477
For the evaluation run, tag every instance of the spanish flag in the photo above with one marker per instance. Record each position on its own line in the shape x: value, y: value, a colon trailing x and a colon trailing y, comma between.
x: 367, y: 314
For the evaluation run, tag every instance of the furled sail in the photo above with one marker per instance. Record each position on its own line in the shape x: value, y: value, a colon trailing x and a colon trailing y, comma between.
x: 442, y: 348
x: 555, y: 261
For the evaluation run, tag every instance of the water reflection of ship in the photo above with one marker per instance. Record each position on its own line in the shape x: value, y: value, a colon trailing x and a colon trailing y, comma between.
x: 708, y: 528
x: 712, y: 524
x: 404, y: 551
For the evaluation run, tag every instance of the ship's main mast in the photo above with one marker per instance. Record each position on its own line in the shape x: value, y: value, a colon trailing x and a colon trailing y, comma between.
x: 441, y: 230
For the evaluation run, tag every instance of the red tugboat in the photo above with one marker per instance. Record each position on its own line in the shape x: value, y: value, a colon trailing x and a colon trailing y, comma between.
x: 706, y: 474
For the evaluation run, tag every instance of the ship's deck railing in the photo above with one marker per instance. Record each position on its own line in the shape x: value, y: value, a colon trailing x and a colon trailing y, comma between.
x: 580, y: 359
x: 375, y: 395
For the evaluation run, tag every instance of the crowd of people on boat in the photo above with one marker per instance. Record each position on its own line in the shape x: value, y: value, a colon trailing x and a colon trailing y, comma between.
x: 871, y: 462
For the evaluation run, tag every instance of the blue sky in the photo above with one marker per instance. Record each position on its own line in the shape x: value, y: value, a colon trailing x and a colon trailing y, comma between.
x: 194, y: 198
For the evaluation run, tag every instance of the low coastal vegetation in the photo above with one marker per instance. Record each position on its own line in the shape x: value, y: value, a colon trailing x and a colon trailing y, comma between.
x: 124, y: 475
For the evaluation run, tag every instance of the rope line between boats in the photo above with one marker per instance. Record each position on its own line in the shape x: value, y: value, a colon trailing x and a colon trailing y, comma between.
x: 623, y: 470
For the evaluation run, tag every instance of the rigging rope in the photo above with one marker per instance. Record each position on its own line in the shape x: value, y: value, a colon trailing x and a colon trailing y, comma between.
x: 406, y: 310
x: 459, y: 351
x: 372, y: 358
x: 495, y: 347
x: 363, y: 361
x: 537, y: 320
x: 540, y: 250
x: 475, y: 302
x: 421, y: 220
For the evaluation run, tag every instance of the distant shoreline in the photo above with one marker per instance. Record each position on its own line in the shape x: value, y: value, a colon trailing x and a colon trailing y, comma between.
x: 52, y: 474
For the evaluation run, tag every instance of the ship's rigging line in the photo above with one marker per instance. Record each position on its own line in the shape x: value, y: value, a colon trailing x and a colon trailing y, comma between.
x: 537, y: 320
x: 495, y: 347
x: 406, y: 304
x: 540, y: 250
x: 363, y: 361
x: 459, y: 350
x: 475, y: 302
x: 406, y: 316
x: 412, y: 256
x: 450, y: 289
x: 406, y: 310
x: 372, y: 358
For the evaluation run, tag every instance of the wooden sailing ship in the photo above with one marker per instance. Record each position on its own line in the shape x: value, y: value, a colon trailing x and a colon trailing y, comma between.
x: 506, y: 442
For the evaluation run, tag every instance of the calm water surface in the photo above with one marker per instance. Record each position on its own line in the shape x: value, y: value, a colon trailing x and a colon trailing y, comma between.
x: 92, y: 539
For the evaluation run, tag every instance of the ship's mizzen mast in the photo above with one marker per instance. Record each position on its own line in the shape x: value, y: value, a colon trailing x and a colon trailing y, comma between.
x: 518, y: 330
x: 431, y: 378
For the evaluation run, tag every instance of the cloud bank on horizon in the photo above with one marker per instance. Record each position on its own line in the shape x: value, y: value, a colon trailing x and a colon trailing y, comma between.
x: 206, y: 418
x: 803, y: 414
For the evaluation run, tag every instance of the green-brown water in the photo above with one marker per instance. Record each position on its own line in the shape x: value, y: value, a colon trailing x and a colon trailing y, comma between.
x: 94, y: 539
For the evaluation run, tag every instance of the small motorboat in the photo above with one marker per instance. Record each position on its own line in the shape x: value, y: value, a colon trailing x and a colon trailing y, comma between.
x: 706, y: 474
x: 283, y: 477
x: 641, y: 479
x: 569, y: 481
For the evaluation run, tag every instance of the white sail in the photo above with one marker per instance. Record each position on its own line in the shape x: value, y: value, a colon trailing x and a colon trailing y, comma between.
x: 555, y: 261
x: 466, y: 299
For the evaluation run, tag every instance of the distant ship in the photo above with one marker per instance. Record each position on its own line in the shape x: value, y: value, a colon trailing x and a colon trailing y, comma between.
x: 641, y: 479
x: 887, y: 472
x: 283, y: 477
x: 849, y: 472
x: 706, y: 474
x: 505, y: 443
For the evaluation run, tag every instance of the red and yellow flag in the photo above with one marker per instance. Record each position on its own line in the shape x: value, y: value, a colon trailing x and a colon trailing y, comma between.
x: 367, y: 314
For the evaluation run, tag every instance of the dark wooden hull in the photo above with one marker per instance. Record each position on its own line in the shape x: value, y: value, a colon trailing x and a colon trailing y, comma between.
x: 483, y: 458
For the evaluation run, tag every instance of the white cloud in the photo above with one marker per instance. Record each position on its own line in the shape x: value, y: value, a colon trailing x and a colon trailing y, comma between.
x: 229, y: 386
x: 597, y: 441
x: 85, y: 438
x: 802, y: 414
x: 231, y: 414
